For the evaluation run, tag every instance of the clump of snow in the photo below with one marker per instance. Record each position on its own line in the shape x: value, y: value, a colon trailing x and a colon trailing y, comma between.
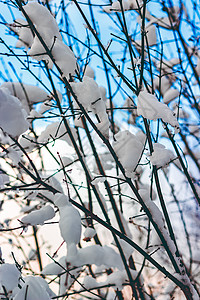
x: 147, y: 190
x: 4, y: 179
x: 12, y: 115
x: 127, y: 5
x: 89, y: 94
x: 56, y: 130
x: 45, y: 106
x: 48, y: 30
x: 25, y: 36
x: 69, y: 223
x: 28, y: 142
x: 118, y: 278
x: 87, y: 91
x: 44, y: 22
x: 161, y: 156
x: 98, y: 255
x: 53, y: 268
x: 129, y: 148
x: 89, y: 233
x: 127, y: 248
x: 162, y: 84
x: 156, y: 213
x: 26, y: 93
x: 28, y: 208
x: 133, y: 4
x: 151, y: 34
x: 90, y: 282
x: 1, y: 182
x: 38, y: 217
x: 32, y: 289
x: 96, y: 180
x: 89, y: 72
x: 170, y: 95
x: 15, y: 154
x: 9, y: 276
x: 116, y: 7
x: 158, y: 218
x: 64, y: 58
x: 151, y: 37
x: 52, y: 181
x: 149, y: 107
x: 180, y: 112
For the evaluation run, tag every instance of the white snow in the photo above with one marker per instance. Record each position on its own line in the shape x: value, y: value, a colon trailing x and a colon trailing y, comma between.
x: 38, y: 217
x: 1, y: 182
x: 27, y: 141
x: 69, y: 223
x: 180, y: 112
x: 89, y: 94
x: 163, y: 84
x: 48, y: 30
x: 25, y: 36
x: 53, y: 268
x: 56, y: 130
x: 12, y: 115
x: 118, y: 278
x: 64, y: 58
x: 9, y: 276
x: 117, y: 7
x: 4, y: 178
x: 151, y: 37
x: 89, y: 232
x: 98, y: 255
x: 26, y: 93
x: 43, y: 20
x: 161, y: 156
x: 128, y: 148
x: 34, y: 288
x: 89, y: 72
x: 90, y: 282
x: 170, y: 95
x: 149, y: 107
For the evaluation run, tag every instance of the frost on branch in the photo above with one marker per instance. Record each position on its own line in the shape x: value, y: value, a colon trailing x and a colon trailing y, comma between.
x: 149, y: 107
x: 12, y: 115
